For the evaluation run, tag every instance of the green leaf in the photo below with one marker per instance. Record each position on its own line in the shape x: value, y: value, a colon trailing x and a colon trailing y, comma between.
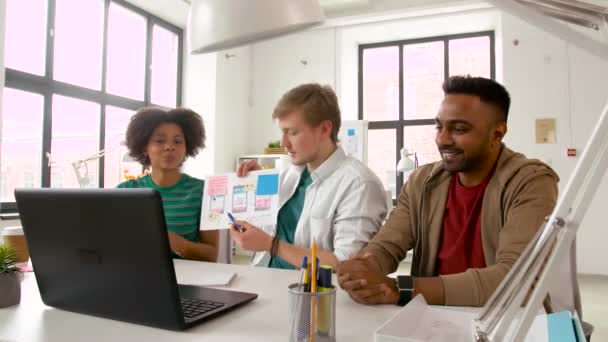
x: 8, y: 259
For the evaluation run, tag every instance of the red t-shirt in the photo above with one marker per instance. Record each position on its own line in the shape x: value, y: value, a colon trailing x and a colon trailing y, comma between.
x: 461, y: 247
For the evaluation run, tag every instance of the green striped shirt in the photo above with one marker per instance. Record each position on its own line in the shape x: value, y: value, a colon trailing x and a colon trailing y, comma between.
x: 181, y: 203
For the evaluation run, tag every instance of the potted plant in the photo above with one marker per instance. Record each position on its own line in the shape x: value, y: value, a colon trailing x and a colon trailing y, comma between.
x: 10, y: 277
x: 274, y: 147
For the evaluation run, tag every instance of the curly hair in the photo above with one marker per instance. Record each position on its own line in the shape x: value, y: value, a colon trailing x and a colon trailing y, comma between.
x: 145, y: 121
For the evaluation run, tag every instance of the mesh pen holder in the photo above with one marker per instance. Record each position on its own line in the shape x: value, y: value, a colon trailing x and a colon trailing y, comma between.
x: 300, y: 305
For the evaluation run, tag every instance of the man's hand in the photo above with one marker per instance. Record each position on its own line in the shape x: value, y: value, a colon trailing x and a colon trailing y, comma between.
x: 251, y: 238
x: 365, y: 283
x: 245, y: 167
x: 178, y: 243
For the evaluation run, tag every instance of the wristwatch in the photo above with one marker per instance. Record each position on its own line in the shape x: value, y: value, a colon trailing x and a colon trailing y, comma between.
x: 405, y: 285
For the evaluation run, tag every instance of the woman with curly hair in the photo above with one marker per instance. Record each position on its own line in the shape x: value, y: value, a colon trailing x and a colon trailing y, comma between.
x: 163, y: 140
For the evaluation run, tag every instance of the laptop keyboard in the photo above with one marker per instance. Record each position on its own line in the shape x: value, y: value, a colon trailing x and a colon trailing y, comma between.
x: 195, y: 307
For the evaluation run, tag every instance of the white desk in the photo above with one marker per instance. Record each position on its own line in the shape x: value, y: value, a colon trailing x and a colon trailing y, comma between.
x: 265, y: 319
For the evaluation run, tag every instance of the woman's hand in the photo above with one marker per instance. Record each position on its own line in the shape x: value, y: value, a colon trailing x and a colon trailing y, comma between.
x: 246, y: 167
x: 178, y: 243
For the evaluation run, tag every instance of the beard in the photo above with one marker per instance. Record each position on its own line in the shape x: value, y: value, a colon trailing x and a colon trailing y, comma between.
x: 463, y: 161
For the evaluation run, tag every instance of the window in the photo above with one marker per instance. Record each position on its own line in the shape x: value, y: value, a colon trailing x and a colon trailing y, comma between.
x: 116, y: 157
x: 78, y: 42
x: 400, y: 92
x: 56, y: 180
x: 21, y: 148
x: 74, y: 136
x: 71, y: 90
x: 126, y: 53
x: 165, y: 70
x: 3, y: 178
x: 28, y: 57
x: 28, y: 180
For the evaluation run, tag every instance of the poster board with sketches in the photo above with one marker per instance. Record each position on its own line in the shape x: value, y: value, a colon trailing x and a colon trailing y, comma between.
x: 254, y: 198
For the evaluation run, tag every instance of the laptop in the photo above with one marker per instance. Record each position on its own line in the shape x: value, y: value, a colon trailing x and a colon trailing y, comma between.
x: 105, y: 252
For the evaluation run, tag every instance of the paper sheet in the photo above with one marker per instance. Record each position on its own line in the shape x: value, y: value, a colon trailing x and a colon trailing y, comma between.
x: 254, y: 198
x: 419, y: 322
x: 189, y: 273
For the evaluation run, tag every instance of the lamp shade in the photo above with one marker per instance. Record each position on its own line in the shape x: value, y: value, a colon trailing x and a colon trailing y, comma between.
x: 221, y: 24
x: 573, y: 11
x: 407, y: 163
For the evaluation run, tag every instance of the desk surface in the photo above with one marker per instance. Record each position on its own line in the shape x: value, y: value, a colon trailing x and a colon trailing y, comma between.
x: 265, y: 319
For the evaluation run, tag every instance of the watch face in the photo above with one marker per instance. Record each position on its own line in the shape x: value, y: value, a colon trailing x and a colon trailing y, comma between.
x: 406, y: 289
x: 405, y: 282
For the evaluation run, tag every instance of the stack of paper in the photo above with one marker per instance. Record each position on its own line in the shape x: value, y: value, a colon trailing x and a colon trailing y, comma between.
x: 419, y: 322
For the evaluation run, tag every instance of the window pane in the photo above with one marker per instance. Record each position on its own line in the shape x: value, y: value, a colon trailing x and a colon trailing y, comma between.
x: 164, y: 67
x: 381, y: 150
x: 75, y: 136
x: 381, y: 84
x: 21, y: 144
x: 421, y: 140
x: 26, y: 22
x: 117, y: 160
x: 423, y: 70
x: 126, y: 53
x: 470, y: 56
x: 79, y: 42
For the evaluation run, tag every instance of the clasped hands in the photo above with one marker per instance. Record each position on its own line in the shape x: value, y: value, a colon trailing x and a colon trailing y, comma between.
x: 365, y: 283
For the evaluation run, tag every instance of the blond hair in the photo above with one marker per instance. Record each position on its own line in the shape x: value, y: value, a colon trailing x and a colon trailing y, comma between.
x: 318, y: 103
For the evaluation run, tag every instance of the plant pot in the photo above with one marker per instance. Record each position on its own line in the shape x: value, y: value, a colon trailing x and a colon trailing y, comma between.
x: 10, y: 289
x: 275, y: 150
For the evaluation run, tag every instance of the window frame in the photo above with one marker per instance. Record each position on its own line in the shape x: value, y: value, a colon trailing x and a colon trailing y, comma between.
x: 47, y: 86
x: 399, y: 124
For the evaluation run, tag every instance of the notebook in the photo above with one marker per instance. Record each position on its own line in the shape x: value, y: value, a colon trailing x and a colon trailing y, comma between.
x: 187, y: 272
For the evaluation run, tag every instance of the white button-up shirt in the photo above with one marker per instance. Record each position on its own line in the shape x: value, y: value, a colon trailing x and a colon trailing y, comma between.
x: 344, y: 206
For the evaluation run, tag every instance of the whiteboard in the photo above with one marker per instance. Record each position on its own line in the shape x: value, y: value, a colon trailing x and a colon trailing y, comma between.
x: 353, y: 139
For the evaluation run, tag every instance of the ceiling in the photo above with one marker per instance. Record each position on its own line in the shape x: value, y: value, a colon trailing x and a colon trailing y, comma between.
x: 176, y: 11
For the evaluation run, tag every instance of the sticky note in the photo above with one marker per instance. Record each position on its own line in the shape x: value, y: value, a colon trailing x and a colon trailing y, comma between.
x: 217, y: 185
x: 267, y: 185
x: 351, y: 132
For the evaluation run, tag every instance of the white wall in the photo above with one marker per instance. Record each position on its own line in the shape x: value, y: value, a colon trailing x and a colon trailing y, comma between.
x: 548, y: 78
x: 277, y: 66
x: 535, y: 72
x: 218, y: 89
x: 588, y: 96
x: 198, y: 94
x: 233, y: 88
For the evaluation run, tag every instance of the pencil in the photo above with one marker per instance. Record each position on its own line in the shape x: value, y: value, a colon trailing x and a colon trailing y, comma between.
x: 313, y: 290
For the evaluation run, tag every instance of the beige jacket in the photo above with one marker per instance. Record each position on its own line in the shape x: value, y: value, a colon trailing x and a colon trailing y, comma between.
x: 520, y: 194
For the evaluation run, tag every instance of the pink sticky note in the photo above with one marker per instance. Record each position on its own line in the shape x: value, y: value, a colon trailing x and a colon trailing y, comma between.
x: 217, y: 186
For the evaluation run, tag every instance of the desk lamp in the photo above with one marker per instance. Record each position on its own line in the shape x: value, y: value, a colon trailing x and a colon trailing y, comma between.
x: 408, y: 161
x: 81, y: 168
x: 539, y: 263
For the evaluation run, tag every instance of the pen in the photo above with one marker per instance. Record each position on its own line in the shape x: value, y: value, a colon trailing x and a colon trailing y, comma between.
x: 307, y: 278
x: 324, y: 306
x: 301, y: 286
x: 313, y: 289
x: 304, y: 268
x: 236, y: 226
